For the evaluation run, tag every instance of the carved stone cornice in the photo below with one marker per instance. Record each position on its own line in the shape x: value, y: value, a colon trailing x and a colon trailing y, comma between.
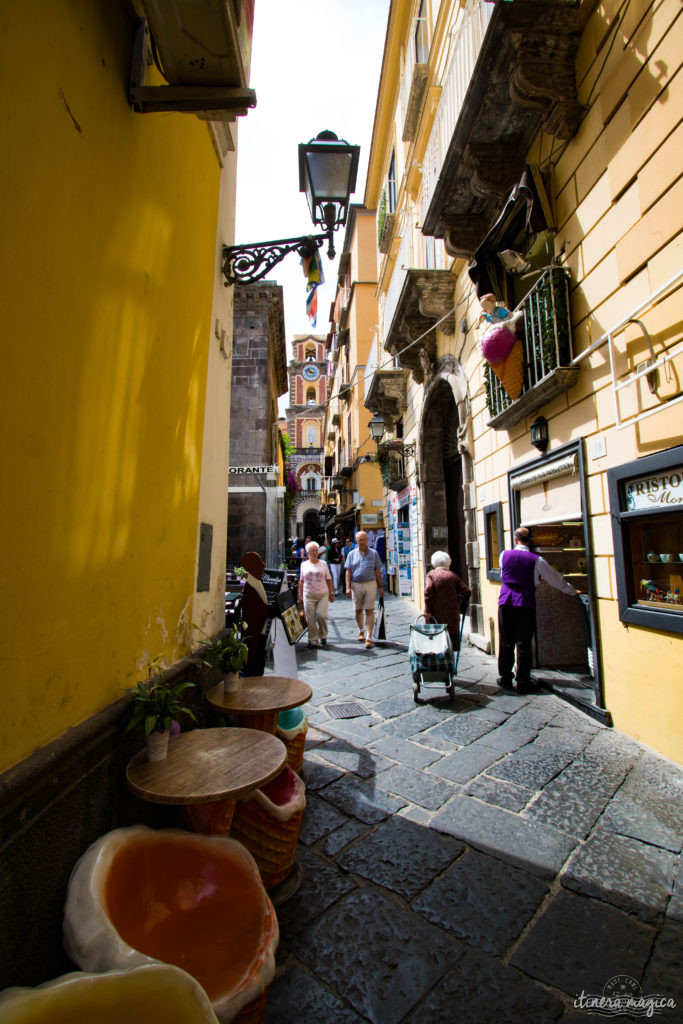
x: 426, y: 298
x: 524, y: 80
x: 388, y: 394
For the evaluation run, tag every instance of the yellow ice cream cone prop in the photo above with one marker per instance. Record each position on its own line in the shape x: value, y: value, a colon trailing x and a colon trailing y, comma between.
x: 510, y: 371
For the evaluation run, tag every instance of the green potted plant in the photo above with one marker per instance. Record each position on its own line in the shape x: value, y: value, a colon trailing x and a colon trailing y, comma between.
x: 227, y: 652
x: 156, y: 704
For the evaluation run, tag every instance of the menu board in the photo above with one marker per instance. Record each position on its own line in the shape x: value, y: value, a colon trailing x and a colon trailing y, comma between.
x: 291, y: 619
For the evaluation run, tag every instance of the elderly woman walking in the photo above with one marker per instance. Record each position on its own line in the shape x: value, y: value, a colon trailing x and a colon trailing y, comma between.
x: 315, y: 590
x: 442, y: 596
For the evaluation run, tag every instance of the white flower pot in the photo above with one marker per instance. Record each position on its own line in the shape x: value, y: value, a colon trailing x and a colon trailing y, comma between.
x: 230, y: 682
x: 157, y: 745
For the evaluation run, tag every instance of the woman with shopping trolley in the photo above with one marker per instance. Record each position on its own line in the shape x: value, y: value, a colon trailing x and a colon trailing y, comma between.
x: 443, y: 590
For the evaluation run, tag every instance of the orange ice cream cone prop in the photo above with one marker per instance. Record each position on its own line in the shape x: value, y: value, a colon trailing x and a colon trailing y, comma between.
x: 510, y: 371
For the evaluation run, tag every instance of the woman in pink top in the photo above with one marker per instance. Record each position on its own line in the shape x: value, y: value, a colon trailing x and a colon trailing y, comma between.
x: 315, y: 591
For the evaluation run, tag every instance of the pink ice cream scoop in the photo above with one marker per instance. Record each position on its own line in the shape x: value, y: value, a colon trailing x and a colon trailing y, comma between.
x: 497, y: 343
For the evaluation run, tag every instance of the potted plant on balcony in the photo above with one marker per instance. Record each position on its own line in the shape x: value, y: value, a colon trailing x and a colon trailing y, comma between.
x: 156, y: 705
x: 227, y: 652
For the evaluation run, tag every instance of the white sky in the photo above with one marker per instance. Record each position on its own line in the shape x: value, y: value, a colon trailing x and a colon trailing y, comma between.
x: 314, y: 66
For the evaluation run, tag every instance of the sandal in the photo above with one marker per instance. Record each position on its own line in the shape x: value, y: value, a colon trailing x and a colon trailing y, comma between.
x: 368, y: 644
x: 361, y: 635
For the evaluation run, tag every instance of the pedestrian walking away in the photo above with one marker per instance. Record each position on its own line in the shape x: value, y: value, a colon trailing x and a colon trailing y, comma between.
x: 363, y: 580
x: 315, y: 592
x: 335, y: 560
x: 521, y: 572
x: 443, y: 590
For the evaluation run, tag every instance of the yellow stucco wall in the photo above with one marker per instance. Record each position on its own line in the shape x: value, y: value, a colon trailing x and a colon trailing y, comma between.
x: 109, y: 237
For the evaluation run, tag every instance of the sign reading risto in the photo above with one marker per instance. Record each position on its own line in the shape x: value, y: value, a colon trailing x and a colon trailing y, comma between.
x: 660, y: 491
x: 234, y: 470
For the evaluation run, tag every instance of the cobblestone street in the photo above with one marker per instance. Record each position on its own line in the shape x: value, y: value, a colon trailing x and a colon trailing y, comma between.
x: 486, y: 860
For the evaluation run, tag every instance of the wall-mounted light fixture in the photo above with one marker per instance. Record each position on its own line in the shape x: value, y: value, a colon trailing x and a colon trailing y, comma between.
x: 327, y: 174
x: 377, y: 427
x: 539, y: 434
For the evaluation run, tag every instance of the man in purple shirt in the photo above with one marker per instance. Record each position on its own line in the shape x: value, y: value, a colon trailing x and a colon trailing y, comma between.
x: 521, y: 571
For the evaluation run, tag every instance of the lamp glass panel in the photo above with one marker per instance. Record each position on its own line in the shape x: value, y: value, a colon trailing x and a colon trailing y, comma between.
x: 329, y: 175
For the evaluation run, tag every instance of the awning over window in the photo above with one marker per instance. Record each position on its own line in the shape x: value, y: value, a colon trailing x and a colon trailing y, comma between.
x: 525, y: 215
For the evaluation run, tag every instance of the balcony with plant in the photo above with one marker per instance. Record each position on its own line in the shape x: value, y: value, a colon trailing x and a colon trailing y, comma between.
x: 544, y: 330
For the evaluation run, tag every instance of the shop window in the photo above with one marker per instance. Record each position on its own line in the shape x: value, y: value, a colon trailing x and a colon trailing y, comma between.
x: 493, y: 539
x: 646, y: 501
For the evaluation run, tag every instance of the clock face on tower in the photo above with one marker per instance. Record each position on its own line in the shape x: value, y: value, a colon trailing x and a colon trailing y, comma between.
x: 310, y: 372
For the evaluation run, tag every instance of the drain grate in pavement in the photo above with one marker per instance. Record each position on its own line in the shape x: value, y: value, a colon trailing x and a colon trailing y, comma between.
x: 350, y: 710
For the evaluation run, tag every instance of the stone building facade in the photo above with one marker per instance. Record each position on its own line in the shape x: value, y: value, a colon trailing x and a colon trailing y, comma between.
x: 259, y: 377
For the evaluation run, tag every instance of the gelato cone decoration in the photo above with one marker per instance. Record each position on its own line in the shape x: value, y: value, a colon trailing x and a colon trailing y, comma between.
x: 500, y: 346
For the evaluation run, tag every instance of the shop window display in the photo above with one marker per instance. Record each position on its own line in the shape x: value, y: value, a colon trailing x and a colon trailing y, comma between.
x: 646, y: 498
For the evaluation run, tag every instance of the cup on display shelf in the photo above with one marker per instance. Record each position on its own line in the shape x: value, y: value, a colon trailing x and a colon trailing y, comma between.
x: 667, y: 557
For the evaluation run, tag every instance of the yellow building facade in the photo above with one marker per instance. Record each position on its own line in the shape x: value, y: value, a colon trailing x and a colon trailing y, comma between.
x: 349, y: 449
x: 526, y: 151
x: 117, y: 333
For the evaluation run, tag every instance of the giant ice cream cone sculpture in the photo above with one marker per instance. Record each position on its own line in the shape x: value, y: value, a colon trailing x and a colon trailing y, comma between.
x: 504, y: 353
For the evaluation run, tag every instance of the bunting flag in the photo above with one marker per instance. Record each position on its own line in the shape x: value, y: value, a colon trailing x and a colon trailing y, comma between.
x: 313, y: 269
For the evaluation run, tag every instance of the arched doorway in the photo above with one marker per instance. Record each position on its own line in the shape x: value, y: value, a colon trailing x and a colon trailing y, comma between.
x: 446, y: 479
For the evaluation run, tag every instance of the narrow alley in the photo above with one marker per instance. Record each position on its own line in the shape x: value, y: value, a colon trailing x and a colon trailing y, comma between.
x: 499, y: 858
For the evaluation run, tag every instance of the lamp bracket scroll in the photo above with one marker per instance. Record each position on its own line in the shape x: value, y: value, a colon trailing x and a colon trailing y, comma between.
x: 245, y: 264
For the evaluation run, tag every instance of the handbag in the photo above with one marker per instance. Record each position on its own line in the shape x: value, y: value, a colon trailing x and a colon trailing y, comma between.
x: 379, y: 631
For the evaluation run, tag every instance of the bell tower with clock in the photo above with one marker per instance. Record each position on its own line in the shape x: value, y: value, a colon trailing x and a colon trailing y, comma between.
x: 308, y: 389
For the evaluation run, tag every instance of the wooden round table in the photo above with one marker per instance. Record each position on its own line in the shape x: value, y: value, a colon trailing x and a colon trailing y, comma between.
x: 206, y: 771
x: 258, y: 700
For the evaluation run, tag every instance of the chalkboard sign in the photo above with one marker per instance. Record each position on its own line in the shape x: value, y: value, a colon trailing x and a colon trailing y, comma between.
x: 272, y: 580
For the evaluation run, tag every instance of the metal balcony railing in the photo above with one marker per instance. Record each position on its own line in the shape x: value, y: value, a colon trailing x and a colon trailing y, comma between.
x: 392, y: 457
x: 545, y: 332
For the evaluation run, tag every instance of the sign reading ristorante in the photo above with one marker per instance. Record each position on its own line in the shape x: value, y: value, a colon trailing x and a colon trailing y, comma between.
x: 252, y: 469
x: 661, y: 491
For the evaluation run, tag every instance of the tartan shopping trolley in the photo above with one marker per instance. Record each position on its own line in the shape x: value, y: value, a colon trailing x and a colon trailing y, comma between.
x: 432, y: 659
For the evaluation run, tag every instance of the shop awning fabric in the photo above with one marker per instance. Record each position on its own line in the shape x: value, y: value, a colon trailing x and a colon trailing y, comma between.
x: 551, y: 493
x: 525, y: 215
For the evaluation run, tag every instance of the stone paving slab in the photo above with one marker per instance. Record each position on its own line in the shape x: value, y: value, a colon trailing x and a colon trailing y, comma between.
x: 296, y: 997
x: 341, y: 837
x: 415, y: 786
x: 405, y: 751
x: 624, y: 872
x: 465, y: 763
x: 363, y: 801
x: 318, y: 774
x: 500, y: 793
x: 323, y: 885
x: 536, y: 848
x: 578, y: 944
x: 319, y: 820
x: 392, y: 707
x: 642, y: 812
x: 360, y: 760
x: 483, y: 901
x: 481, y: 990
x: 568, y: 809
x: 382, y: 958
x: 464, y: 729
x: 532, y: 767
x: 401, y: 856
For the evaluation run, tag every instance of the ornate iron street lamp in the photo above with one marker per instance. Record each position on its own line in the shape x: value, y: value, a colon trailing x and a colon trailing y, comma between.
x: 377, y: 427
x: 327, y: 174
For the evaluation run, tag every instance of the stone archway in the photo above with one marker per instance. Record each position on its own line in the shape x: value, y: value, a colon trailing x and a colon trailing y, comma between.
x: 447, y: 477
x: 306, y: 518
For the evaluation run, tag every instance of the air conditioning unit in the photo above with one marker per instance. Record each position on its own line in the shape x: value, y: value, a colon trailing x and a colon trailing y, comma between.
x: 202, y: 42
